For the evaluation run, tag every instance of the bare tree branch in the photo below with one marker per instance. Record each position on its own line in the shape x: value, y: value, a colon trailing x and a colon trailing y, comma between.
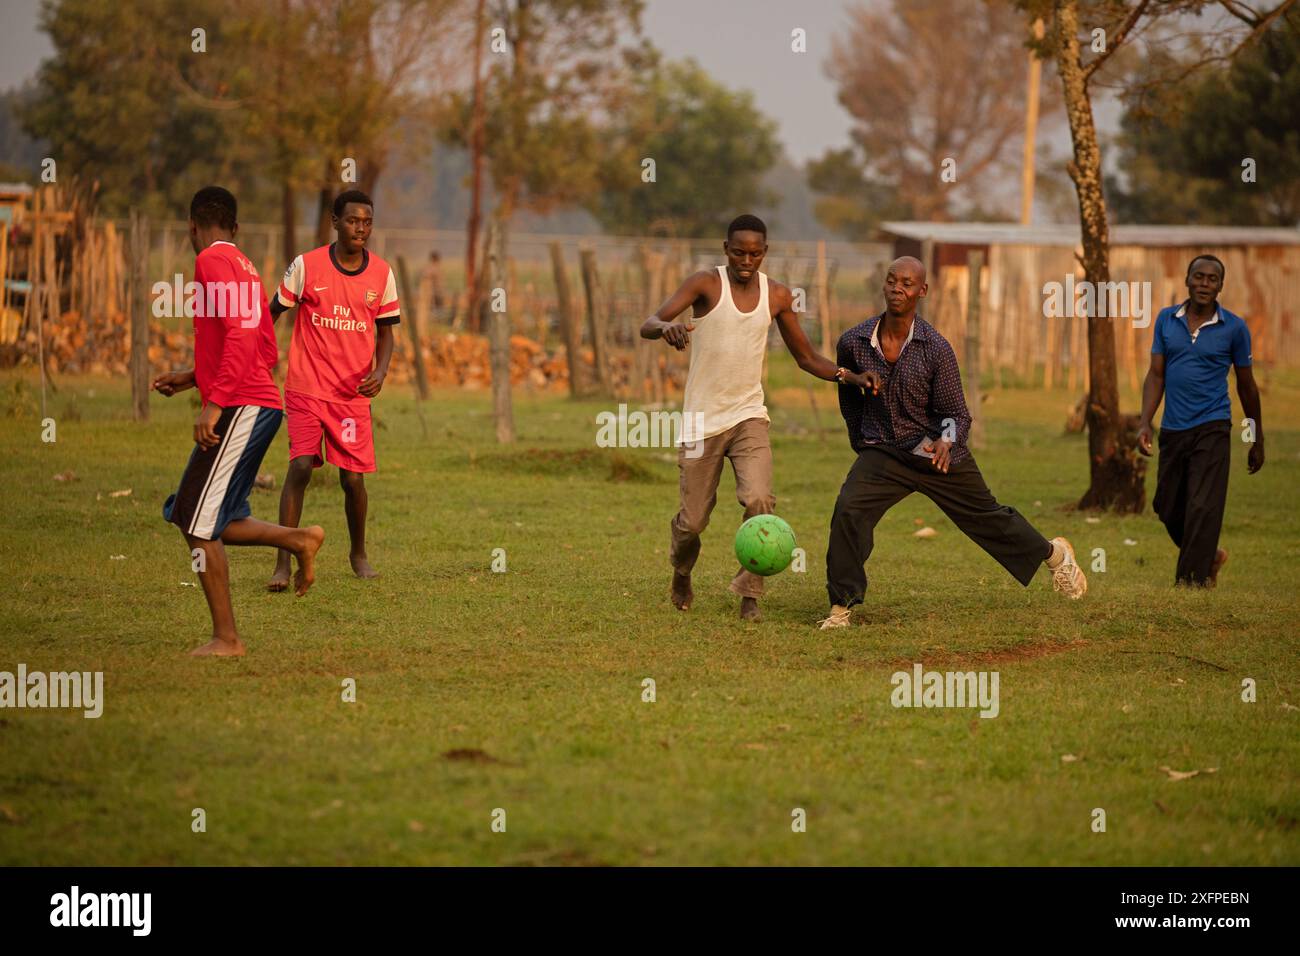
x: 1114, y: 43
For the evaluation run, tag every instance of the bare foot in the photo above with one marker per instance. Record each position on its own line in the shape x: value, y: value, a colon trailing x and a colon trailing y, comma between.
x: 749, y: 609
x: 280, y: 579
x: 220, y: 647
x: 305, y: 577
x: 1220, y: 559
x: 681, y: 592
x: 361, y: 567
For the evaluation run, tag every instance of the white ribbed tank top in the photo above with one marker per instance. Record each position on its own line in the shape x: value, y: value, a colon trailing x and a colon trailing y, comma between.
x: 724, y: 383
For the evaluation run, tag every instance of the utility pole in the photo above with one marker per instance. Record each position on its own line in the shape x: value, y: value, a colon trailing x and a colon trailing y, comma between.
x: 1031, y: 131
x: 476, y: 167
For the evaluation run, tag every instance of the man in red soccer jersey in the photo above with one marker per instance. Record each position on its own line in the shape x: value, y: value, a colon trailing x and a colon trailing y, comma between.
x: 342, y: 342
x: 234, y: 352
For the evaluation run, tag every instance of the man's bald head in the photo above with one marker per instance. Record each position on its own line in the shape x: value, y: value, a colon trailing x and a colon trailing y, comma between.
x: 904, y: 285
x: 910, y: 264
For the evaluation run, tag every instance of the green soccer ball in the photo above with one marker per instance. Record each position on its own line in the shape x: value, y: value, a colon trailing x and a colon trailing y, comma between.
x: 765, y: 545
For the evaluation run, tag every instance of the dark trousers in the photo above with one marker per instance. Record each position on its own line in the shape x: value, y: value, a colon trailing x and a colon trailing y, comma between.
x: 882, y: 477
x: 1191, y: 490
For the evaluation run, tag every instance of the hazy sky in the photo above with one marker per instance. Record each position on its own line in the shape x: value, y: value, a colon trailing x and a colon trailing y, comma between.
x: 744, y: 44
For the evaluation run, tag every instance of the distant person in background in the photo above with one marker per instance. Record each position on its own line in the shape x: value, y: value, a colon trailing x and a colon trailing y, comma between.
x: 234, y: 352
x: 431, y: 287
x: 1192, y: 346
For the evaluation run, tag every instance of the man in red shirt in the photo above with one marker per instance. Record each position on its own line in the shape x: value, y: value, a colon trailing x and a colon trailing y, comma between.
x: 346, y: 299
x: 234, y: 352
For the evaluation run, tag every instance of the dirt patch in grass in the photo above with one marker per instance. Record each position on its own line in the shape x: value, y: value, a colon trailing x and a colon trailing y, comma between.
x: 1007, y: 655
x: 592, y: 463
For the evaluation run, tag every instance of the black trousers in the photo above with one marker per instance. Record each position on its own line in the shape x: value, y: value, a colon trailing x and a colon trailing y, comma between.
x: 1191, y: 490
x: 882, y: 477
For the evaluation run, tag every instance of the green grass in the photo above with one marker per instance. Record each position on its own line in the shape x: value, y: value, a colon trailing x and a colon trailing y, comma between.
x: 540, y: 668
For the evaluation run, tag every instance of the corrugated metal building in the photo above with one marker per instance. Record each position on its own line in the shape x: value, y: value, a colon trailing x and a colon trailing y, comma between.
x: 1019, y: 336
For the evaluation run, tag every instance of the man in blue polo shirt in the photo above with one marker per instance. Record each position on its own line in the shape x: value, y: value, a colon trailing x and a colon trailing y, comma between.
x: 1192, y: 346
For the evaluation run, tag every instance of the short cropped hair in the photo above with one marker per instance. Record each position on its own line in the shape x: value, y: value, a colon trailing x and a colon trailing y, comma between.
x: 1223, y: 271
x: 747, y: 223
x: 352, y: 195
x: 214, y: 206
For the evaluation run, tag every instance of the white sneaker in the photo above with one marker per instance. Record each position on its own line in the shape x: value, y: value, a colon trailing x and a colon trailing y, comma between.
x: 839, y: 618
x: 1067, y: 577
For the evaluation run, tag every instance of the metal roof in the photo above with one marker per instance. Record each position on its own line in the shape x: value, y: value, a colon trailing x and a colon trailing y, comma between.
x: 1067, y: 234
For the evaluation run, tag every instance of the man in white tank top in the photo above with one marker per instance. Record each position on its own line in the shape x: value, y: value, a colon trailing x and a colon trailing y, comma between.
x: 723, y: 413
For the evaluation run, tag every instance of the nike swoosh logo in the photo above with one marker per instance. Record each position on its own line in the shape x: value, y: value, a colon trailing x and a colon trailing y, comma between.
x: 319, y: 288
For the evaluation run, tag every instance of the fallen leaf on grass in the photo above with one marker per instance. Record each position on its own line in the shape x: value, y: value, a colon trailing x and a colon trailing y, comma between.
x: 1161, y: 807
x: 415, y: 826
x: 1286, y: 706
x: 1068, y: 758
x: 1187, y: 774
x: 1130, y: 542
x: 7, y: 814
x: 321, y: 811
x: 926, y: 532
x: 1093, y: 520
x: 119, y: 494
x: 188, y: 584
x: 68, y: 475
x: 117, y: 557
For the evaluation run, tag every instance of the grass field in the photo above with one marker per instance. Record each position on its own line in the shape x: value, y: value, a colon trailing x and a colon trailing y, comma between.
x: 523, y: 690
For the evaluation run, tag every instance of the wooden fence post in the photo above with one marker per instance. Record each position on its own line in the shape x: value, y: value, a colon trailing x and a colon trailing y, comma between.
x: 139, y: 316
x: 596, y: 318
x: 412, y: 323
x: 568, y: 321
x: 975, y: 265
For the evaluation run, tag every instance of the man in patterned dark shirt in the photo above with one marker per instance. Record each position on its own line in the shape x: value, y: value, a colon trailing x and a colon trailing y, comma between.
x: 910, y: 435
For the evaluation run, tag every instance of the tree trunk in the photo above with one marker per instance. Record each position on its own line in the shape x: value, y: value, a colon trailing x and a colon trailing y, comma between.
x: 476, y: 166
x: 288, y: 222
x: 498, y: 326
x: 1116, y: 473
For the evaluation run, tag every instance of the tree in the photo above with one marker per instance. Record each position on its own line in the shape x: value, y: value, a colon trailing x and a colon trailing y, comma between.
x: 128, y: 128
x: 849, y: 201
x: 238, y: 104
x: 934, y: 107
x: 710, y: 148
x: 563, y: 71
x: 1183, y: 147
x: 1117, y: 475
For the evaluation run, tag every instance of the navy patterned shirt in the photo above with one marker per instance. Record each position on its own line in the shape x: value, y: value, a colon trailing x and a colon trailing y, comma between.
x: 920, y: 395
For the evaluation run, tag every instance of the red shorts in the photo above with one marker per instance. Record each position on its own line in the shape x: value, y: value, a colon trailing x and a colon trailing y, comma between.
x: 343, y: 426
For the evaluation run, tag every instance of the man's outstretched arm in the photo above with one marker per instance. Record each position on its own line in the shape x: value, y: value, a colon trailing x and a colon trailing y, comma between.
x: 663, y: 325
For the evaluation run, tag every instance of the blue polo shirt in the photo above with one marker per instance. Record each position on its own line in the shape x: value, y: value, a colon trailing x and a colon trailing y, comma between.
x: 1196, y: 366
